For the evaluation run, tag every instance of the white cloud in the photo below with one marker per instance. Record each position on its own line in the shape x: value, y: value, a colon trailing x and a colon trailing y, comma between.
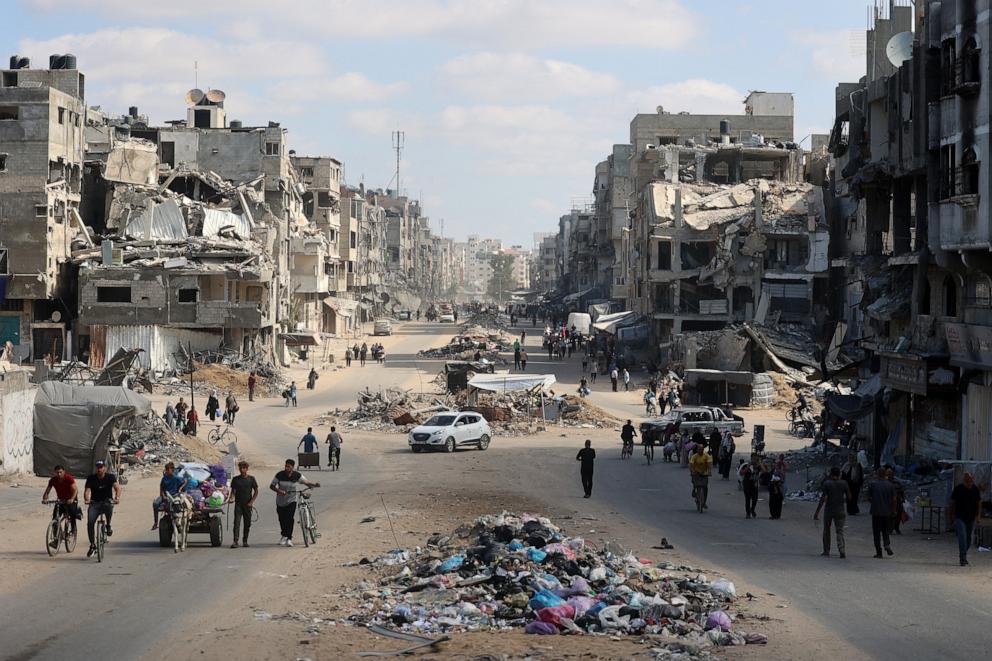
x: 837, y: 56
x: 659, y: 24
x: 153, y: 67
x: 696, y: 95
x: 543, y: 205
x: 493, y: 76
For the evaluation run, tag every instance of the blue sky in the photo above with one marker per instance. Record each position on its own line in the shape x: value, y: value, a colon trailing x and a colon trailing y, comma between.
x: 507, y: 105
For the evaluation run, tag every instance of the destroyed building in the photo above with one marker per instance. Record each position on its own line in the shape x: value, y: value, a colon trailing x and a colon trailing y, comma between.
x: 911, y: 229
x: 42, y: 114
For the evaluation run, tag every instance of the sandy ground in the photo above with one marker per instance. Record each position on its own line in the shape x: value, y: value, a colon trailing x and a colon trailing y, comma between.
x: 259, y: 603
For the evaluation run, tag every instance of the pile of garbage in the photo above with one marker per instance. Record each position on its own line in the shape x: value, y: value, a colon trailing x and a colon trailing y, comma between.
x: 522, y: 572
x: 392, y: 409
x: 480, y: 346
x: 496, y: 321
x: 207, y: 486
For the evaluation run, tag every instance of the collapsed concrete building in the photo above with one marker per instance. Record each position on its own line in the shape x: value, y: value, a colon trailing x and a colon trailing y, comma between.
x: 42, y: 114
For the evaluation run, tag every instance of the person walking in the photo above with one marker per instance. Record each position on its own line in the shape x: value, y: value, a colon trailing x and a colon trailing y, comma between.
x: 965, y: 513
x: 192, y: 420
x: 626, y: 380
x: 213, y: 405
x: 244, y: 489
x: 182, y: 408
x: 614, y: 376
x: 853, y: 473
x: 725, y: 457
x: 836, y: 494
x: 334, y: 441
x: 312, y: 379
x: 523, y: 360
x: 252, y: 381
x: 231, y: 407
x: 309, y: 442
x: 882, y: 496
x: 170, y: 416
x: 285, y: 484
x: 592, y: 372
x: 516, y: 357
x: 776, y: 495
x: 587, y: 456
x: 715, y: 441
x: 749, y: 474
x: 348, y: 357
x: 292, y: 390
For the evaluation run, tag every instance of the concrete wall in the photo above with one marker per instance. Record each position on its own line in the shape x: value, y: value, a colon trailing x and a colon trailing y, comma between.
x: 16, y: 422
x: 645, y: 129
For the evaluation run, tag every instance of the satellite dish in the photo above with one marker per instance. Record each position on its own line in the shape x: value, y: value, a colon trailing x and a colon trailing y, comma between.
x: 900, y: 48
x: 194, y: 96
x: 216, y: 96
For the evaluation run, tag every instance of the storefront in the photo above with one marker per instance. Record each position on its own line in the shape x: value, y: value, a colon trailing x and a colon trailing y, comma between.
x: 923, y: 405
x: 970, y: 349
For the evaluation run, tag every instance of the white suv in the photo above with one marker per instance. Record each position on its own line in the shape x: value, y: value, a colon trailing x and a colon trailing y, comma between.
x: 450, y: 430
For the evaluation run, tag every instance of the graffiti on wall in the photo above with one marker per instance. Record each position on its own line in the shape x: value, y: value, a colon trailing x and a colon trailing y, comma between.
x: 17, y: 432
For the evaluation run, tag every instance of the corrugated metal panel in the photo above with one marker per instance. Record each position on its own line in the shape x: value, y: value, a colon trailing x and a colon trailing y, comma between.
x: 159, y: 343
x: 215, y: 219
x: 977, y: 441
x: 163, y: 221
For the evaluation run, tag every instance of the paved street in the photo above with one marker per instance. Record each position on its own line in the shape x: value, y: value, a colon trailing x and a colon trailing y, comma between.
x: 918, y: 604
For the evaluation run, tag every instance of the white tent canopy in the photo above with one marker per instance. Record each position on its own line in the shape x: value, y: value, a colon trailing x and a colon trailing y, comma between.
x: 608, y: 323
x: 511, y: 382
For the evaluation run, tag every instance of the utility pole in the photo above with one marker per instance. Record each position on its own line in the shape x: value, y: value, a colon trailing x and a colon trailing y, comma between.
x: 399, y: 140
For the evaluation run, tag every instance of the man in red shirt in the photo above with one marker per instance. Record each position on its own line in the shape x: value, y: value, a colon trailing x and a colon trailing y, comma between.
x: 65, y: 490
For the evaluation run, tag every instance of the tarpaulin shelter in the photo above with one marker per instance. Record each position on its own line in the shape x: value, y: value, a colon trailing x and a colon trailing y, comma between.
x: 73, y: 424
x: 609, y: 323
x: 511, y: 382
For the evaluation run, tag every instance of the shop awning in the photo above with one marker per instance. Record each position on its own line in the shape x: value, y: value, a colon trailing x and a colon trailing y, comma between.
x: 609, y: 323
x: 572, y: 298
x: 344, y: 307
x: 301, y: 339
x: 511, y: 382
x: 850, y: 407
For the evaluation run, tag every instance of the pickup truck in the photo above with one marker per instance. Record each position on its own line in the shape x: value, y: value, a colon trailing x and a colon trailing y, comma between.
x: 691, y: 418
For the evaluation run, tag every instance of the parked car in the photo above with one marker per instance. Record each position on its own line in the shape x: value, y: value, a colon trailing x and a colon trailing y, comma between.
x: 447, y: 318
x: 691, y: 418
x: 405, y: 315
x: 451, y: 430
x: 382, y: 327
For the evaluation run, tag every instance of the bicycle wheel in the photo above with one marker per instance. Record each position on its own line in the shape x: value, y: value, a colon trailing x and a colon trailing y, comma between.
x: 69, y: 536
x: 214, y: 436
x: 99, y: 534
x: 229, y: 436
x: 314, y: 533
x: 52, y: 537
x: 304, y: 526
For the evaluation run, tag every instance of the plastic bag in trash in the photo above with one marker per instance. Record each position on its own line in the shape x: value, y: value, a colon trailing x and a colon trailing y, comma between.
x: 535, y: 555
x: 581, y: 604
x: 541, y: 628
x: 515, y: 545
x: 597, y: 574
x: 610, y: 618
x: 451, y: 564
x: 555, y: 614
x: 544, y: 599
x: 723, y: 588
x: 718, y: 620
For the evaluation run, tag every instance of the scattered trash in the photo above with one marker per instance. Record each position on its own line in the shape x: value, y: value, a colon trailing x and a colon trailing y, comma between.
x: 523, y: 572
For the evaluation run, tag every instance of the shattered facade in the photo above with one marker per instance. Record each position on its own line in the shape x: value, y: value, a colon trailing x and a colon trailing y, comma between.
x: 42, y: 115
x: 911, y: 229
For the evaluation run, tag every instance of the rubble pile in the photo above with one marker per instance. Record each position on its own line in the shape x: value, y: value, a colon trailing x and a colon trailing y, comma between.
x: 522, y: 572
x: 148, y: 441
x: 392, y: 409
x: 224, y: 378
x: 496, y: 321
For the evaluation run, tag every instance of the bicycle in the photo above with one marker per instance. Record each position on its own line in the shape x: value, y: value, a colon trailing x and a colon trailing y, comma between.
x: 225, y: 437
x: 699, y: 483
x: 628, y: 449
x: 649, y: 452
x: 100, y: 533
x: 60, y: 531
x: 308, y: 518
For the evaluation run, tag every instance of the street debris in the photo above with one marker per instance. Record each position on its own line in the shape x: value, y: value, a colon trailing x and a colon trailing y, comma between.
x: 513, y: 572
x: 147, y: 441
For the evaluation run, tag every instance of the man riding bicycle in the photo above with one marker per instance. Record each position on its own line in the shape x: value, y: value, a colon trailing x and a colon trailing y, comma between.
x: 700, y: 467
x: 102, y: 492
x: 67, y: 495
x: 627, y: 435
